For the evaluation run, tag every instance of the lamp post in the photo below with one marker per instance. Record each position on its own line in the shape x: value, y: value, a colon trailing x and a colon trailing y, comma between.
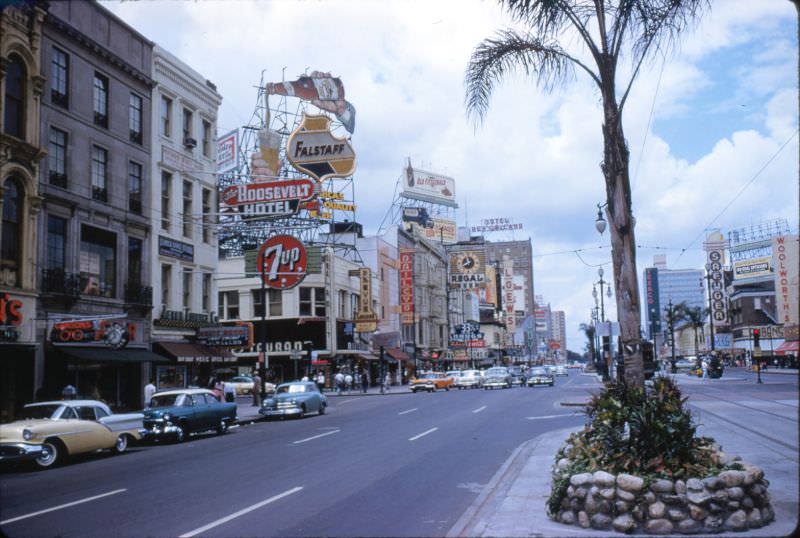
x: 710, y: 313
x: 605, y: 338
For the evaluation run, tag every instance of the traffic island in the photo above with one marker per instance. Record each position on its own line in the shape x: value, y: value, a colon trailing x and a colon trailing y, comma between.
x: 637, y: 467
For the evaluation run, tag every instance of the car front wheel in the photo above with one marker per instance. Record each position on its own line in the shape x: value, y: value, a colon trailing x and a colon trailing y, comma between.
x: 223, y: 427
x: 182, y: 433
x: 51, y: 454
x: 122, y: 444
x: 322, y: 409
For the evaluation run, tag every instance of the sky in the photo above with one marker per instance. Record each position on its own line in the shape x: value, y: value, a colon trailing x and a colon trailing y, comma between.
x: 712, y: 126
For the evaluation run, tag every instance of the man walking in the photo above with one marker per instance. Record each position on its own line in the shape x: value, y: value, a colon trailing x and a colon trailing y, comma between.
x: 257, y: 388
x: 149, y: 390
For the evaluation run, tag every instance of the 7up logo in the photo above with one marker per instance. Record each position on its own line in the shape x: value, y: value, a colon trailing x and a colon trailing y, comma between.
x: 282, y: 262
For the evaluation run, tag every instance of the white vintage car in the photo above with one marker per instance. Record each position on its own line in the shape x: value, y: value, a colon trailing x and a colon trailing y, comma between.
x: 51, y: 431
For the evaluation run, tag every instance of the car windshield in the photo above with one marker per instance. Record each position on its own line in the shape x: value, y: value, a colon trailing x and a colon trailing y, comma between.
x: 166, y: 400
x: 496, y: 371
x: 291, y: 389
x: 454, y: 373
x: 539, y: 371
x: 42, y: 411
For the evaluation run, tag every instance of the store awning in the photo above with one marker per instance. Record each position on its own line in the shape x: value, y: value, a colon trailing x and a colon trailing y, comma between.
x: 397, y: 353
x: 107, y: 355
x: 367, y: 357
x: 188, y: 352
x: 791, y: 345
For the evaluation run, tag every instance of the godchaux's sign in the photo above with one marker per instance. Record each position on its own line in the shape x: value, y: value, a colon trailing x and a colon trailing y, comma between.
x: 269, y: 198
x: 313, y: 150
x: 282, y: 262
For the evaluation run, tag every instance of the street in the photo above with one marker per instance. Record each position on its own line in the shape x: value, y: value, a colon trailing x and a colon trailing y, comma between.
x: 395, y: 465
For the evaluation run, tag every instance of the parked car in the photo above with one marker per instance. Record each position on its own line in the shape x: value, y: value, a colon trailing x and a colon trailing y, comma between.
x: 469, y: 379
x: 540, y: 376
x: 497, y: 376
x: 52, y: 431
x: 431, y: 381
x: 180, y: 413
x: 560, y: 371
x: 516, y: 375
x: 295, y: 399
x: 243, y: 384
x: 454, y: 375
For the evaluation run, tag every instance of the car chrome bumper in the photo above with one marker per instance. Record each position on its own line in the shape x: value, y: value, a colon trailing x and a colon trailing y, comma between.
x: 159, y: 430
x: 280, y: 412
x: 20, y: 451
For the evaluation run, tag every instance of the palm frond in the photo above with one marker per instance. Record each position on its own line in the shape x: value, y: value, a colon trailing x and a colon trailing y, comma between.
x: 494, y: 58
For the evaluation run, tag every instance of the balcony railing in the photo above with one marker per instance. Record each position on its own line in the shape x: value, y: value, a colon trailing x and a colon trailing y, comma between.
x: 58, y: 179
x: 59, y: 282
x: 135, y: 293
x: 99, y: 193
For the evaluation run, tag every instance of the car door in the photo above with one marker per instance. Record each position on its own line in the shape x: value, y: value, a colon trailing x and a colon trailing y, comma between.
x: 204, y: 412
x: 82, y: 433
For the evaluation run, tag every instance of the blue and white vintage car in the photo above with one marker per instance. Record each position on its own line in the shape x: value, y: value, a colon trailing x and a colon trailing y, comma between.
x: 294, y: 399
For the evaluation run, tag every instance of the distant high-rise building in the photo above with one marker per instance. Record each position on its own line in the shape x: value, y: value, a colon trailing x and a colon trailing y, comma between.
x: 663, y: 286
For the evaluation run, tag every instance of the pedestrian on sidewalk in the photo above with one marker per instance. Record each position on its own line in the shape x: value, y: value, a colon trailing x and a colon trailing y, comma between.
x: 321, y: 381
x: 339, y: 382
x: 257, y: 388
x: 149, y: 390
x: 364, y: 381
x: 230, y: 391
x: 387, y: 381
x: 704, y: 366
x: 348, y: 383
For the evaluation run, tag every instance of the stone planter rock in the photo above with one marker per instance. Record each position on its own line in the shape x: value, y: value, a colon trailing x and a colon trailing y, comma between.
x: 734, y: 500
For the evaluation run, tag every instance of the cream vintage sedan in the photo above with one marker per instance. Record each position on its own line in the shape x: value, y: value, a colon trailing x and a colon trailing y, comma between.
x: 51, y: 431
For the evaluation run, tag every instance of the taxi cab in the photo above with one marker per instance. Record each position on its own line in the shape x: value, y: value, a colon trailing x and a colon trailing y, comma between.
x: 431, y: 381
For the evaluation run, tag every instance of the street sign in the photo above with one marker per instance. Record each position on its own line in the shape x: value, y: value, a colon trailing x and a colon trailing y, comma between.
x: 756, y: 352
x: 296, y: 356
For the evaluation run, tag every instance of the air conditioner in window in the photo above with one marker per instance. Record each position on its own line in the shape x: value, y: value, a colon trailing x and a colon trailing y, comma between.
x: 189, y: 142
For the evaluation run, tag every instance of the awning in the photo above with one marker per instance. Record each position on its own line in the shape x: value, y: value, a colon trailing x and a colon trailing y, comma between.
x: 187, y: 352
x: 790, y: 345
x: 367, y: 357
x: 397, y: 353
x: 106, y: 355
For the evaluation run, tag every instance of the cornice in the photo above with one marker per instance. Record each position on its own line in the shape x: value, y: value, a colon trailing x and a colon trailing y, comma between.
x: 199, y: 91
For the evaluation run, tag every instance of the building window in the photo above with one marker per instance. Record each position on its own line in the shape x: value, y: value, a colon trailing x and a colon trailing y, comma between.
x: 135, y: 120
x: 134, y: 261
x: 56, y: 242
x: 99, y: 174
x: 166, y: 114
x: 187, y: 127
x: 353, y: 305
x: 206, y: 139
x: 166, y: 281
x: 207, y: 217
x: 187, y: 209
x: 98, y: 264
x: 100, y: 100
x: 187, y: 290
x: 59, y: 72
x: 166, y: 191
x: 57, y: 149
x: 228, y: 307
x: 135, y: 187
x: 206, y: 292
x: 312, y: 302
x: 11, y: 241
x: 343, y: 304
x: 258, y: 304
x: 275, y: 298
x: 14, y: 102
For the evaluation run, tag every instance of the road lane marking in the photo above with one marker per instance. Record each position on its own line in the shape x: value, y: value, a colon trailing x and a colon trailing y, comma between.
x: 240, y: 513
x: 552, y: 416
x: 59, y: 507
x: 406, y: 412
x: 423, y: 434
x: 315, y: 437
x: 347, y: 401
x: 481, y: 408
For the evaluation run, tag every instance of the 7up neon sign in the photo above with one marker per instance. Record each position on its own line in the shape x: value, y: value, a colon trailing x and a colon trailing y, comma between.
x: 282, y: 262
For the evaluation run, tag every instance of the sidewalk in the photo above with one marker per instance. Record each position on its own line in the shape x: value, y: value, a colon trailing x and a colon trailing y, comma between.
x: 513, y: 503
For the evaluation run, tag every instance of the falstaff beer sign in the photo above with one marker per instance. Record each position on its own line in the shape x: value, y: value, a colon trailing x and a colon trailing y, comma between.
x: 313, y: 150
x: 282, y: 261
x: 269, y: 198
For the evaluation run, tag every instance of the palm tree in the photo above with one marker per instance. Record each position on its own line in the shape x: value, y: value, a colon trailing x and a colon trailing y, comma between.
x: 695, y: 316
x: 605, y: 28
x: 589, y: 330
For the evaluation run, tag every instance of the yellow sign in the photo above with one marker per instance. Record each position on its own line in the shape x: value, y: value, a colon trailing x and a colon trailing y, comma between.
x: 337, y: 205
x: 328, y: 195
x: 313, y: 150
x: 366, y: 326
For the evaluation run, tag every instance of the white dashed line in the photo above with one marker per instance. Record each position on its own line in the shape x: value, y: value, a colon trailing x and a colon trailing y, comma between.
x: 422, y: 434
x: 406, y: 412
x: 240, y: 513
x: 478, y: 410
x: 59, y: 507
x: 315, y: 437
x: 551, y: 416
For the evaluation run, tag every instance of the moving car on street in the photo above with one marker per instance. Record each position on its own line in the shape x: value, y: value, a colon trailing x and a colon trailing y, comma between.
x: 560, y: 371
x: 497, y: 376
x: 52, y: 431
x: 540, y: 376
x: 469, y: 379
x: 517, y: 375
x: 431, y: 382
x: 180, y: 413
x: 294, y: 399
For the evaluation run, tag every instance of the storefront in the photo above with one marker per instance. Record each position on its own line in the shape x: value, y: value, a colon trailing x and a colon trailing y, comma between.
x: 192, y: 364
x: 17, y: 353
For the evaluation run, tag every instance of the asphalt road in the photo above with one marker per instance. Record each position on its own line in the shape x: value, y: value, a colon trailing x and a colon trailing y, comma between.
x: 398, y: 465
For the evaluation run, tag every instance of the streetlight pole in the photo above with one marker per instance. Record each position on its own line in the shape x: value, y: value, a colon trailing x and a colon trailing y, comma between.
x: 710, y: 313
x: 605, y: 338
x: 671, y: 321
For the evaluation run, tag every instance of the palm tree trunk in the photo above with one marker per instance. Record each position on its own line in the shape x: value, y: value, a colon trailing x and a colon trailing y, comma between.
x: 623, y: 246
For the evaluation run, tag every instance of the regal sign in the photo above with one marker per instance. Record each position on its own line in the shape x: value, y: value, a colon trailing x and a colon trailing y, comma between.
x: 313, y: 150
x: 269, y: 198
x: 282, y: 262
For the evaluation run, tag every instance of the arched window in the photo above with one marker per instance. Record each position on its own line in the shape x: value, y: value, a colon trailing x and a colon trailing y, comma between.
x: 14, y: 99
x: 11, y: 240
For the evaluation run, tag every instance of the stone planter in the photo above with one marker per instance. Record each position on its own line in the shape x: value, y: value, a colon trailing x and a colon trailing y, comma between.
x: 734, y: 500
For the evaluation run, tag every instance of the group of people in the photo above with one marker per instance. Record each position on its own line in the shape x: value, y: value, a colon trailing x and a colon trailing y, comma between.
x: 344, y: 382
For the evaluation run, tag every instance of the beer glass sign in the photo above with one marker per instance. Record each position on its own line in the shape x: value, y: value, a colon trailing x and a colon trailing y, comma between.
x: 282, y: 262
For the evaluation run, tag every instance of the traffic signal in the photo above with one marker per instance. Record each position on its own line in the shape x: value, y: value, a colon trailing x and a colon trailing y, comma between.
x: 756, y: 337
x: 435, y: 355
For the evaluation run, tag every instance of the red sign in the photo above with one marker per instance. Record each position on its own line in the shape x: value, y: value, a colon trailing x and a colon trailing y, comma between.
x: 407, y: 286
x: 106, y: 331
x: 268, y: 191
x: 10, y: 310
x: 555, y: 345
x: 282, y: 261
